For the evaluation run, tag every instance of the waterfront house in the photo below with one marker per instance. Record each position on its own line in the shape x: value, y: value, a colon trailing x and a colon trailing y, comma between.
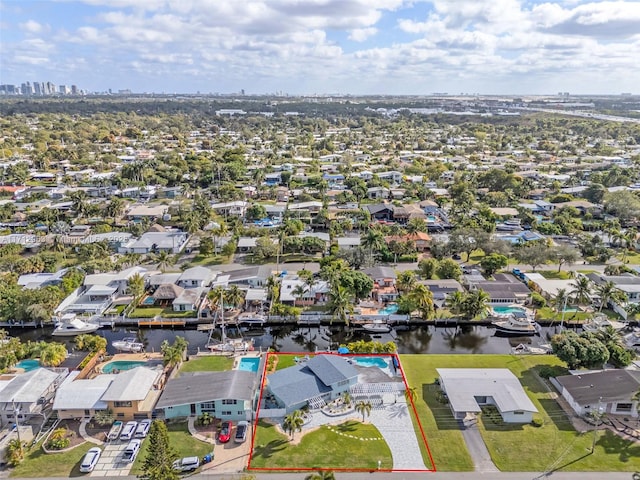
x: 469, y: 389
x: 29, y: 393
x: 154, y: 242
x: 81, y: 398
x: 313, y: 382
x: 196, y: 277
x: 607, y: 391
x: 132, y: 394
x: 228, y: 395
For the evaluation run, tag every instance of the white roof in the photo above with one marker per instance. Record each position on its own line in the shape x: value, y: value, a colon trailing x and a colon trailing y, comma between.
x: 131, y: 384
x: 100, y: 290
x: 462, y: 385
x: 28, y: 387
x: 82, y: 394
x: 550, y: 287
x: 256, y: 294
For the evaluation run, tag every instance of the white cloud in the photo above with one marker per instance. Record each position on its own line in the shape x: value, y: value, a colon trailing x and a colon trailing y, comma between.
x: 31, y: 26
x: 361, y: 34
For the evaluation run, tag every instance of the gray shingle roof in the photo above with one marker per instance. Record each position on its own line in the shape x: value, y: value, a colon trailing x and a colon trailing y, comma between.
x: 610, y: 385
x: 201, y: 387
x: 296, y: 384
x: 331, y: 369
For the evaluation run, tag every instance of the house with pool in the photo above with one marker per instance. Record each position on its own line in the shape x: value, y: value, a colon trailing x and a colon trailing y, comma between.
x: 132, y: 394
x: 228, y: 395
x: 313, y: 382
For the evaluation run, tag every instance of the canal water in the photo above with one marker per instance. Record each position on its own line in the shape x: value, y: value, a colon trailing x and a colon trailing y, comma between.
x: 421, y: 339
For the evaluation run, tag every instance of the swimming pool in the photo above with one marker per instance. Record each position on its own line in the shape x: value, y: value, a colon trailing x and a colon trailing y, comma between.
x: 120, y: 365
x: 389, y: 309
x: 249, y: 364
x: 149, y: 301
x: 28, y: 365
x: 507, y: 310
x: 370, y: 362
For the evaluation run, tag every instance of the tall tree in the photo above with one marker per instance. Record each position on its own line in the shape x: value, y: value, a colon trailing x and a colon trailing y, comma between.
x: 581, y: 290
x: 364, y: 409
x: 340, y: 303
x: 158, y: 463
x: 293, y: 423
x: 422, y: 298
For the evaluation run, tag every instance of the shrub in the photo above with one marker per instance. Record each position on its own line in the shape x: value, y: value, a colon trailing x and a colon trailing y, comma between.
x: 548, y: 371
x: 59, y: 439
x: 205, y: 419
x: 537, y: 422
x: 538, y: 300
x: 15, y: 452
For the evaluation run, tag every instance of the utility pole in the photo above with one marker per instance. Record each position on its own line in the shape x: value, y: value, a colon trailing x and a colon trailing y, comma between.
x: 598, y: 415
x: 15, y: 412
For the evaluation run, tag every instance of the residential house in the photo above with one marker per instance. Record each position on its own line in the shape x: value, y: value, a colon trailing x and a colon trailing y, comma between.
x: 313, y: 294
x: 420, y: 240
x: 228, y: 395
x: 189, y: 300
x: 153, y: 242
x: 504, y: 289
x: 627, y: 283
x: 377, y: 193
x: 252, y: 276
x: 380, y: 211
x: 607, y: 391
x: 196, y: 277
x: 314, y: 382
x: 81, y: 398
x: 469, y: 389
x: 29, y: 393
x: 347, y: 243
x: 236, y: 209
x: 384, y: 283
x: 132, y: 394
x: 138, y: 213
x: 441, y: 289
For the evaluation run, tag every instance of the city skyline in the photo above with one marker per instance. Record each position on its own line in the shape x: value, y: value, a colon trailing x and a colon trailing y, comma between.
x: 354, y: 47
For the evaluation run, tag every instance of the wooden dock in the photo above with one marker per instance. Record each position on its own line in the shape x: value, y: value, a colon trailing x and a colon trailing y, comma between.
x: 161, y: 323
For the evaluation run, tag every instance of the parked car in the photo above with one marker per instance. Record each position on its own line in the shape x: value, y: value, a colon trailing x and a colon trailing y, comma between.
x: 225, y: 432
x: 241, y: 432
x: 186, y: 464
x: 90, y: 460
x: 143, y: 428
x: 131, y: 451
x: 128, y: 430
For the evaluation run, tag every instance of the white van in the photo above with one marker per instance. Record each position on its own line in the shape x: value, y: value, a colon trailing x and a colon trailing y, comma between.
x: 128, y: 430
x: 131, y: 452
x: 186, y: 464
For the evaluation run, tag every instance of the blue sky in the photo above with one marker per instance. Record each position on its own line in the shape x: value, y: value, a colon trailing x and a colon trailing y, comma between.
x: 324, y: 46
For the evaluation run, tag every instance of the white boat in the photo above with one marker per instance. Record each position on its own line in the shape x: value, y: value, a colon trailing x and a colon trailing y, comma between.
x: 524, y: 349
x: 601, y: 322
x: 632, y: 339
x: 251, y: 318
x: 517, y: 325
x: 129, y: 344
x: 70, y: 327
x: 232, y: 345
x: 377, y: 326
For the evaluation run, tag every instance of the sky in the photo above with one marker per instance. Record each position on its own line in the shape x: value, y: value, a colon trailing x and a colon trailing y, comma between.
x: 358, y: 47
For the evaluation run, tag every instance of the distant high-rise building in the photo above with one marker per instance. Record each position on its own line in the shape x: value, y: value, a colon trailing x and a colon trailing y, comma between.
x: 74, y: 90
x: 37, y: 88
x: 64, y: 90
x: 27, y: 89
x: 51, y: 88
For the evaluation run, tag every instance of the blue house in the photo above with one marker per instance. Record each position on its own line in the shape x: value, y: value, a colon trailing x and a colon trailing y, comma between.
x: 320, y: 379
x: 228, y: 395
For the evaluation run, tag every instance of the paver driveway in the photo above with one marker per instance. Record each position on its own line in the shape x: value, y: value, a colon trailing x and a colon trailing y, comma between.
x: 110, y: 463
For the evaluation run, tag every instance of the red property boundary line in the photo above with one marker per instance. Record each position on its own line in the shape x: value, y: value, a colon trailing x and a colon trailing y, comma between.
x: 394, y: 357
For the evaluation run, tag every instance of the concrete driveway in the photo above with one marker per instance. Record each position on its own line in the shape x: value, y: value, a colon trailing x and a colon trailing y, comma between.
x: 110, y: 463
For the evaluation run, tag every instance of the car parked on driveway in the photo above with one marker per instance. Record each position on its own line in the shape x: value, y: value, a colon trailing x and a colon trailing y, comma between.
x: 90, y: 460
x: 186, y: 464
x: 131, y: 451
x: 128, y: 430
x: 225, y: 432
x: 241, y: 432
x: 143, y: 428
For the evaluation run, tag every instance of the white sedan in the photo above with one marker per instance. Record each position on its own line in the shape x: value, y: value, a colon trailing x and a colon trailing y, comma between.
x: 90, y: 460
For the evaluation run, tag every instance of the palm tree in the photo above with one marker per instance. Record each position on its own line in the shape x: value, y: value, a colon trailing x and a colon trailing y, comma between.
x: 476, y: 303
x: 136, y: 286
x: 608, y: 291
x: 373, y: 240
x: 115, y: 208
x: 346, y: 398
x: 581, y: 290
x: 609, y: 336
x: 364, y: 408
x: 80, y: 202
x: 321, y: 475
x: 340, y: 303
x: 455, y: 302
x: 234, y: 296
x: 299, y: 291
x: 293, y: 423
x: 406, y: 281
x: 164, y: 260
x: 560, y: 299
x: 422, y: 298
x: 216, y: 298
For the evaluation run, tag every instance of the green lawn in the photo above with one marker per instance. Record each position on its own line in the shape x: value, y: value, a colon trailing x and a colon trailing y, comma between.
x: 150, y: 312
x: 548, y: 313
x: 325, y: 447
x: 37, y: 463
x: 206, y: 260
x: 633, y: 258
x: 209, y: 363
x: 285, y: 361
x: 181, y: 441
x: 555, y: 274
x: 513, y: 447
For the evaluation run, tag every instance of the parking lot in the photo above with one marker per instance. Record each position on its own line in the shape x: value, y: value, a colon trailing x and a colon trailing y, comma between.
x: 110, y: 463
